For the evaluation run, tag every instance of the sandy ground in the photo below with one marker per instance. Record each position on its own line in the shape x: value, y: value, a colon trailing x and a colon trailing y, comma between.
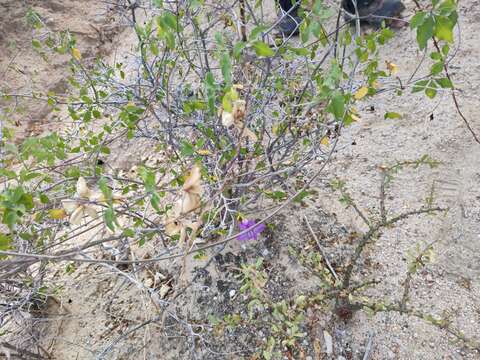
x: 24, y: 73
x: 451, y: 284
x: 100, y: 308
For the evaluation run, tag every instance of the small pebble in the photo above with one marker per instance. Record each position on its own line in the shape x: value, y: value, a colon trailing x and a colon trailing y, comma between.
x: 328, y: 342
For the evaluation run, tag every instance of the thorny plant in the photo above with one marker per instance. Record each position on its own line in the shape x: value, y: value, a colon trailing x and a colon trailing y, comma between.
x: 347, y: 302
x: 230, y: 120
x: 342, y: 285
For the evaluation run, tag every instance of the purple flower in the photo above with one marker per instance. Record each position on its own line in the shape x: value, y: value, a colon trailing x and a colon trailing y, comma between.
x: 251, y: 234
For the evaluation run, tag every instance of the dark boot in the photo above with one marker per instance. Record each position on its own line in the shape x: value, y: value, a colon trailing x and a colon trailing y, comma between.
x: 373, y: 12
x: 290, y: 23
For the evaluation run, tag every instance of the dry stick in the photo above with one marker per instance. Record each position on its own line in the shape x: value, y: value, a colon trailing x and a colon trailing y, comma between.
x: 383, y: 212
x: 471, y: 343
x: 368, y: 349
x: 22, y: 353
x: 330, y: 268
x: 243, y: 22
x: 454, y: 97
x: 371, y: 233
x: 337, y: 31
x: 110, y: 346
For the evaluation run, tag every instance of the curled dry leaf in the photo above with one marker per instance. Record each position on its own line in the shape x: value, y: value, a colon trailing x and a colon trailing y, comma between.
x: 360, y: 93
x: 77, y: 216
x: 192, y: 183
x: 325, y: 141
x: 392, y: 68
x: 189, y: 202
x: 164, y: 289
x: 236, y: 118
x: 238, y: 111
x: 159, y: 277
x: 149, y: 282
x: 78, y: 209
x: 173, y: 227
x: 80, y: 212
x: 69, y: 205
x: 180, y: 226
x: 82, y: 189
x: 192, y: 192
x: 227, y: 119
x: 77, y: 55
x: 177, y: 223
x: 58, y: 214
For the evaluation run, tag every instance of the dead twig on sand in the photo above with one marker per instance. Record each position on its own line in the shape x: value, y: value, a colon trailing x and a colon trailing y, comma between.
x: 327, y: 262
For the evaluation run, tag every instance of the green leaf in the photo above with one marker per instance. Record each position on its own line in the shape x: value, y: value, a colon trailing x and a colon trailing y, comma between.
x: 226, y: 67
x: 315, y: 29
x: 44, y: 199
x: 436, y: 56
x: 170, y: 40
x: 445, y: 49
x: 129, y: 232
x: 170, y: 20
x: 263, y: 49
x: 5, y: 241
x: 148, y: 178
x: 301, y: 196
x: 238, y: 48
x: 257, y: 31
x: 425, y: 32
x: 419, y: 86
x: 96, y: 114
x: 337, y: 106
x: 437, y: 68
x: 392, y: 115
x: 155, y: 201
x: 36, y: 44
x: 445, y: 83
x: 211, y: 90
x: 8, y: 173
x: 106, y: 191
x: 109, y: 218
x: 417, y: 19
x: 187, y: 148
x: 299, y: 51
x: 444, y: 29
x: 304, y: 31
x: 227, y: 103
x: 10, y: 218
x: 430, y: 92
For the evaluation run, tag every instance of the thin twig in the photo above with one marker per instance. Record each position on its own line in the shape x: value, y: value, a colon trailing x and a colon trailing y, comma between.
x: 330, y: 267
x: 368, y: 348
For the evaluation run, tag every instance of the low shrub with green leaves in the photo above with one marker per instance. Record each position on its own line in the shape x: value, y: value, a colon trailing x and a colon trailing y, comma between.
x: 216, y: 127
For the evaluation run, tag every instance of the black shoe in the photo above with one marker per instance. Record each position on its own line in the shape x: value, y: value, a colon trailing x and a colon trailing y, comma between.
x: 388, y: 12
x: 289, y: 25
x: 374, y: 12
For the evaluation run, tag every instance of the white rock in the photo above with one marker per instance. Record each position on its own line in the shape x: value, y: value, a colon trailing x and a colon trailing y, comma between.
x: 328, y: 342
